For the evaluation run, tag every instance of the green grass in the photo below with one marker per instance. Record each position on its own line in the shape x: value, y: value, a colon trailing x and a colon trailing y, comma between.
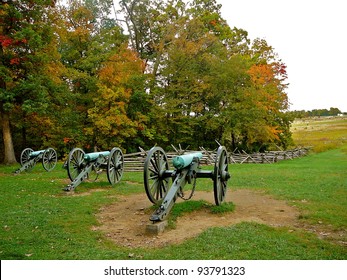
x: 194, y: 205
x: 250, y: 241
x: 40, y: 221
x: 317, y: 184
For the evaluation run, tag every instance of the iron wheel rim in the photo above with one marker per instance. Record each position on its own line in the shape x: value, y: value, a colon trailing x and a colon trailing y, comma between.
x: 75, y: 163
x: 115, y: 166
x: 156, y: 185
x: 25, y: 157
x: 221, y: 175
x: 49, y: 159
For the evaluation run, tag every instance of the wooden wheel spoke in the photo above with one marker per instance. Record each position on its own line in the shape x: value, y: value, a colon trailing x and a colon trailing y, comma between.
x: 115, y: 166
x: 75, y: 162
x: 155, y: 165
x: 49, y: 159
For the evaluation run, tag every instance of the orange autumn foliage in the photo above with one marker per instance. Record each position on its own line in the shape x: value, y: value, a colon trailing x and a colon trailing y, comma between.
x: 109, y: 114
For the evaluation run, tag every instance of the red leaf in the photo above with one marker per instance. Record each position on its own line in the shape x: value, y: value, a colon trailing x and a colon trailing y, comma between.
x: 5, y: 42
x: 14, y: 61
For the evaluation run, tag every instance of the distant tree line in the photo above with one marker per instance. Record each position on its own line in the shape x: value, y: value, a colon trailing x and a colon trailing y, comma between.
x: 100, y: 73
x: 316, y: 113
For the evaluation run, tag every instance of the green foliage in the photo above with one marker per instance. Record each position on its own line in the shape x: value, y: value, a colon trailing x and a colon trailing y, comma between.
x: 316, y: 113
x: 31, y: 71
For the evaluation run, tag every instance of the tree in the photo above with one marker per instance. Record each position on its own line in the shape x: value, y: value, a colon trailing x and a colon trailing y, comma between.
x: 207, y: 81
x: 87, y: 39
x: 152, y: 24
x: 28, y: 57
x: 72, y: 76
x: 187, y: 98
x: 268, y: 98
x: 110, y: 122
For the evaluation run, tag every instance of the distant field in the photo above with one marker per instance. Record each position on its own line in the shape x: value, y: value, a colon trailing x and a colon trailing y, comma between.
x: 323, y: 133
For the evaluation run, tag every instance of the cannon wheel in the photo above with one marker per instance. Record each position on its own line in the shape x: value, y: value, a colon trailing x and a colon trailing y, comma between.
x: 115, y: 166
x: 49, y: 159
x: 25, y: 157
x: 220, y: 175
x: 75, y: 163
x: 156, y: 185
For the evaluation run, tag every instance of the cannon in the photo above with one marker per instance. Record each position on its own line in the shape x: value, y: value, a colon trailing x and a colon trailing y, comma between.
x: 29, y: 158
x: 79, y: 166
x: 157, y: 177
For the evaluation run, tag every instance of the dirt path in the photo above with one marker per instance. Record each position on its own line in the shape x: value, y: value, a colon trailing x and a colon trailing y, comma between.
x: 125, y: 221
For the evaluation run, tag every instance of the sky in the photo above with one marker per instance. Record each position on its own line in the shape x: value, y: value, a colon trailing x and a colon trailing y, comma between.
x: 310, y: 37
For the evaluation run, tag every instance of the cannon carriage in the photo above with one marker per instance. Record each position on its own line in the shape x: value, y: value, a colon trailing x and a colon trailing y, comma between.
x: 79, y: 166
x: 157, y: 177
x: 29, y: 158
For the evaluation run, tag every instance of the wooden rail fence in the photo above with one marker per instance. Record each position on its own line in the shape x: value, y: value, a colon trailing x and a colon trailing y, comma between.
x: 134, y: 162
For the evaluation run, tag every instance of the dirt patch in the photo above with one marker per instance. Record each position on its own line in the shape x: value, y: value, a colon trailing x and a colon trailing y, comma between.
x: 125, y: 221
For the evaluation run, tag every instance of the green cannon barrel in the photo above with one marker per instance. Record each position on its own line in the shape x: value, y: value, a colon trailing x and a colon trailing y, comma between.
x: 36, y: 153
x: 183, y: 161
x: 94, y: 156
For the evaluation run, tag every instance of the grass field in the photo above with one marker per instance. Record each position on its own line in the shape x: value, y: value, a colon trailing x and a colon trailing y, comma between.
x: 321, y: 134
x: 40, y: 221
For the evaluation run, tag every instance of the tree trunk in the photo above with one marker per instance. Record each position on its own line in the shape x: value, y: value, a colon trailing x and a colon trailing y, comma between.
x: 9, y: 156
